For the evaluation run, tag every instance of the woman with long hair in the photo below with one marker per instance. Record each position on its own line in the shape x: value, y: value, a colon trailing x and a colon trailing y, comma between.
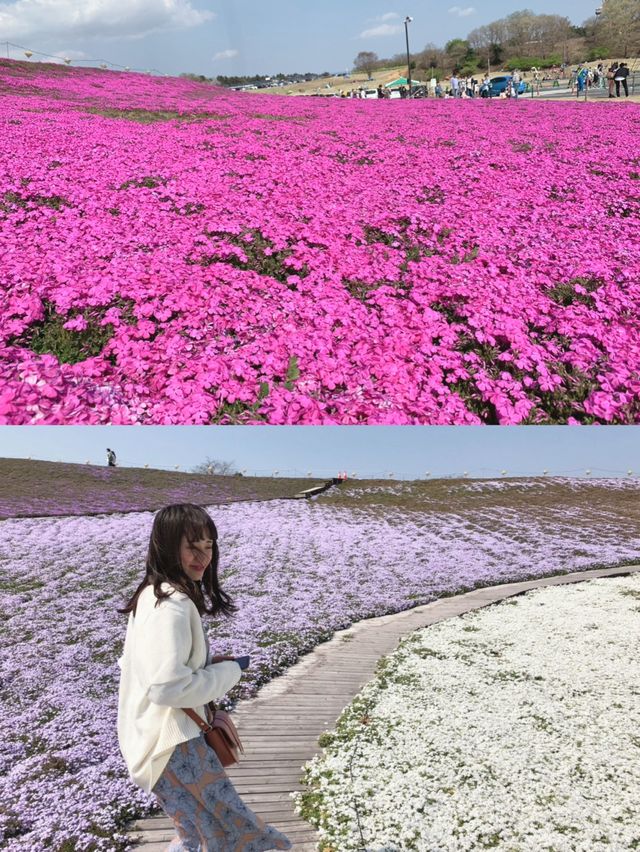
x: 611, y: 73
x: 166, y: 667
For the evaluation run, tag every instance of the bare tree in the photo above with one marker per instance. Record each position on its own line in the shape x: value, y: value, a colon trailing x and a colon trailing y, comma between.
x: 488, y: 41
x: 618, y: 27
x: 430, y: 57
x: 215, y: 467
x: 521, y: 34
x: 366, y: 61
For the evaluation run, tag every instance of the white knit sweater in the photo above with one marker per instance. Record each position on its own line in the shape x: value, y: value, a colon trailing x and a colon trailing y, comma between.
x: 163, y: 668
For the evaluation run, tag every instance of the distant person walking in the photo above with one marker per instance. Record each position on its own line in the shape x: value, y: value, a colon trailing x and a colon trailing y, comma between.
x: 620, y: 78
x: 611, y: 73
x: 111, y: 458
x: 455, y: 85
x: 165, y: 667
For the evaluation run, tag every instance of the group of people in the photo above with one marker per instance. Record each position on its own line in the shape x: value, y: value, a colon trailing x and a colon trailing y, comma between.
x: 470, y: 87
x: 580, y: 79
x: 615, y: 78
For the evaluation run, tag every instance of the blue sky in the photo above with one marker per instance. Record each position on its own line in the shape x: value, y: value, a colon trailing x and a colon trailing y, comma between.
x: 374, y: 451
x: 214, y: 37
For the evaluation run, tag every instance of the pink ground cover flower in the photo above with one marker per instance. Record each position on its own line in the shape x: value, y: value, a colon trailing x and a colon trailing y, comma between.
x: 175, y: 253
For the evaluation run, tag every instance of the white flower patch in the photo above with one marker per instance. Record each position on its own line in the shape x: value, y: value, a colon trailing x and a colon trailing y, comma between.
x: 516, y: 727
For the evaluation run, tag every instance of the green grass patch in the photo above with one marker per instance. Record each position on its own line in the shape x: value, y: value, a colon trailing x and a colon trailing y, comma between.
x: 49, y: 336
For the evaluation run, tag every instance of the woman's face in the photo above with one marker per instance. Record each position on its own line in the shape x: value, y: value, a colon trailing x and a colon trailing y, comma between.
x: 195, y: 556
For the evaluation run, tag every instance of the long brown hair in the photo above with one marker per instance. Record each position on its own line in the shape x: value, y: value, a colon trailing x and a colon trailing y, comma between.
x: 163, y: 560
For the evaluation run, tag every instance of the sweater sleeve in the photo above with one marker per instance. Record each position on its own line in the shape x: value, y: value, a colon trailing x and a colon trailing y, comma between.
x: 163, y: 649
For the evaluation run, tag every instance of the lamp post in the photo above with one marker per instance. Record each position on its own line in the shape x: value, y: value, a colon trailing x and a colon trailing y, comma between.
x: 407, y: 21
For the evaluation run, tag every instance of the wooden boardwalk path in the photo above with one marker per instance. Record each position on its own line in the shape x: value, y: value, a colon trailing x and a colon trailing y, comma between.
x: 281, y: 726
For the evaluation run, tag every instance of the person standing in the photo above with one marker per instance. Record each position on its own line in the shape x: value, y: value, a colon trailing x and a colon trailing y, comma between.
x: 602, y: 77
x: 455, y: 85
x: 515, y: 84
x: 611, y: 73
x: 111, y: 458
x: 620, y: 77
x: 165, y: 668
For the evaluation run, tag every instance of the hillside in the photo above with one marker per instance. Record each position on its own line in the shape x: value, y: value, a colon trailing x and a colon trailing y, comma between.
x: 178, y: 253
x: 53, y: 488
x: 297, y: 570
x: 44, y: 488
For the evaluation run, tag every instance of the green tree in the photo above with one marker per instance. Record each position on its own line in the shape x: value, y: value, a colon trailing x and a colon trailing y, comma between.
x: 460, y: 55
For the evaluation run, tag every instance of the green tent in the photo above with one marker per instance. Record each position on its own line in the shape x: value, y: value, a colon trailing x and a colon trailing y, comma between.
x: 402, y: 81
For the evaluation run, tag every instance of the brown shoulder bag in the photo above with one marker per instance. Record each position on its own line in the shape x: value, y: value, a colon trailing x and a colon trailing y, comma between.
x: 220, y: 733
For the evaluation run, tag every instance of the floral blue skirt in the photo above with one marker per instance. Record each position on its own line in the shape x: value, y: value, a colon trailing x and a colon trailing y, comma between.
x: 208, y: 814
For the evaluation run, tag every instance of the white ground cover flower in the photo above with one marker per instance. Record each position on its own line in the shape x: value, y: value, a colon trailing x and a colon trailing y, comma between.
x: 297, y: 570
x: 515, y: 727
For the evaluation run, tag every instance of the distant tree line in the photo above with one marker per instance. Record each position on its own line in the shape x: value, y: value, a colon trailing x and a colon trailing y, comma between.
x: 265, y: 81
x: 523, y: 40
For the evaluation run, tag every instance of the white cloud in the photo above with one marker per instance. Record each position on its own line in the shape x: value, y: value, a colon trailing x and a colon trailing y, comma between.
x: 97, y: 18
x: 389, y: 16
x: 226, y: 54
x: 459, y: 12
x: 382, y: 30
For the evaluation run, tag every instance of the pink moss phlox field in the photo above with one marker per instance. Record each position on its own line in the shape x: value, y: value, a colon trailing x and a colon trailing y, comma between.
x: 298, y: 572
x: 255, y: 259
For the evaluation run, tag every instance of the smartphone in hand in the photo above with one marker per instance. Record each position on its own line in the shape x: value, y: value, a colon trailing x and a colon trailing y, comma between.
x: 243, y: 662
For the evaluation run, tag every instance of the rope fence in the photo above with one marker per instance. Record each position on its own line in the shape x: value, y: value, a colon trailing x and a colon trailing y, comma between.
x: 381, y: 474
x: 104, y: 64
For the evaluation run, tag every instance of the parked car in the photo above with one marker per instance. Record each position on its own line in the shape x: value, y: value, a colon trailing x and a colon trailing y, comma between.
x: 499, y: 85
x: 370, y: 93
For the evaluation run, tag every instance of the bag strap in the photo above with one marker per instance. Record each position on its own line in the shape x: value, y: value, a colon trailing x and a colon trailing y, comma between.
x: 198, y: 720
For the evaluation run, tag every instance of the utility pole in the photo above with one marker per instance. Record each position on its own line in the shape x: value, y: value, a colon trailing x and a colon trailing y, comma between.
x: 407, y: 21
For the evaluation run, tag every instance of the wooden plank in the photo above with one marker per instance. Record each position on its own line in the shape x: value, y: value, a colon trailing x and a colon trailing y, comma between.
x: 255, y: 787
x: 280, y: 731
x: 153, y: 837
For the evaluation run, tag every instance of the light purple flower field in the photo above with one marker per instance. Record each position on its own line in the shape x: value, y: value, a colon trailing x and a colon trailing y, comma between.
x: 298, y: 571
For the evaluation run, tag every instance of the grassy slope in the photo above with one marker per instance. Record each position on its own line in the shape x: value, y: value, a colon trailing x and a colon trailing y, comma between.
x: 49, y: 488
